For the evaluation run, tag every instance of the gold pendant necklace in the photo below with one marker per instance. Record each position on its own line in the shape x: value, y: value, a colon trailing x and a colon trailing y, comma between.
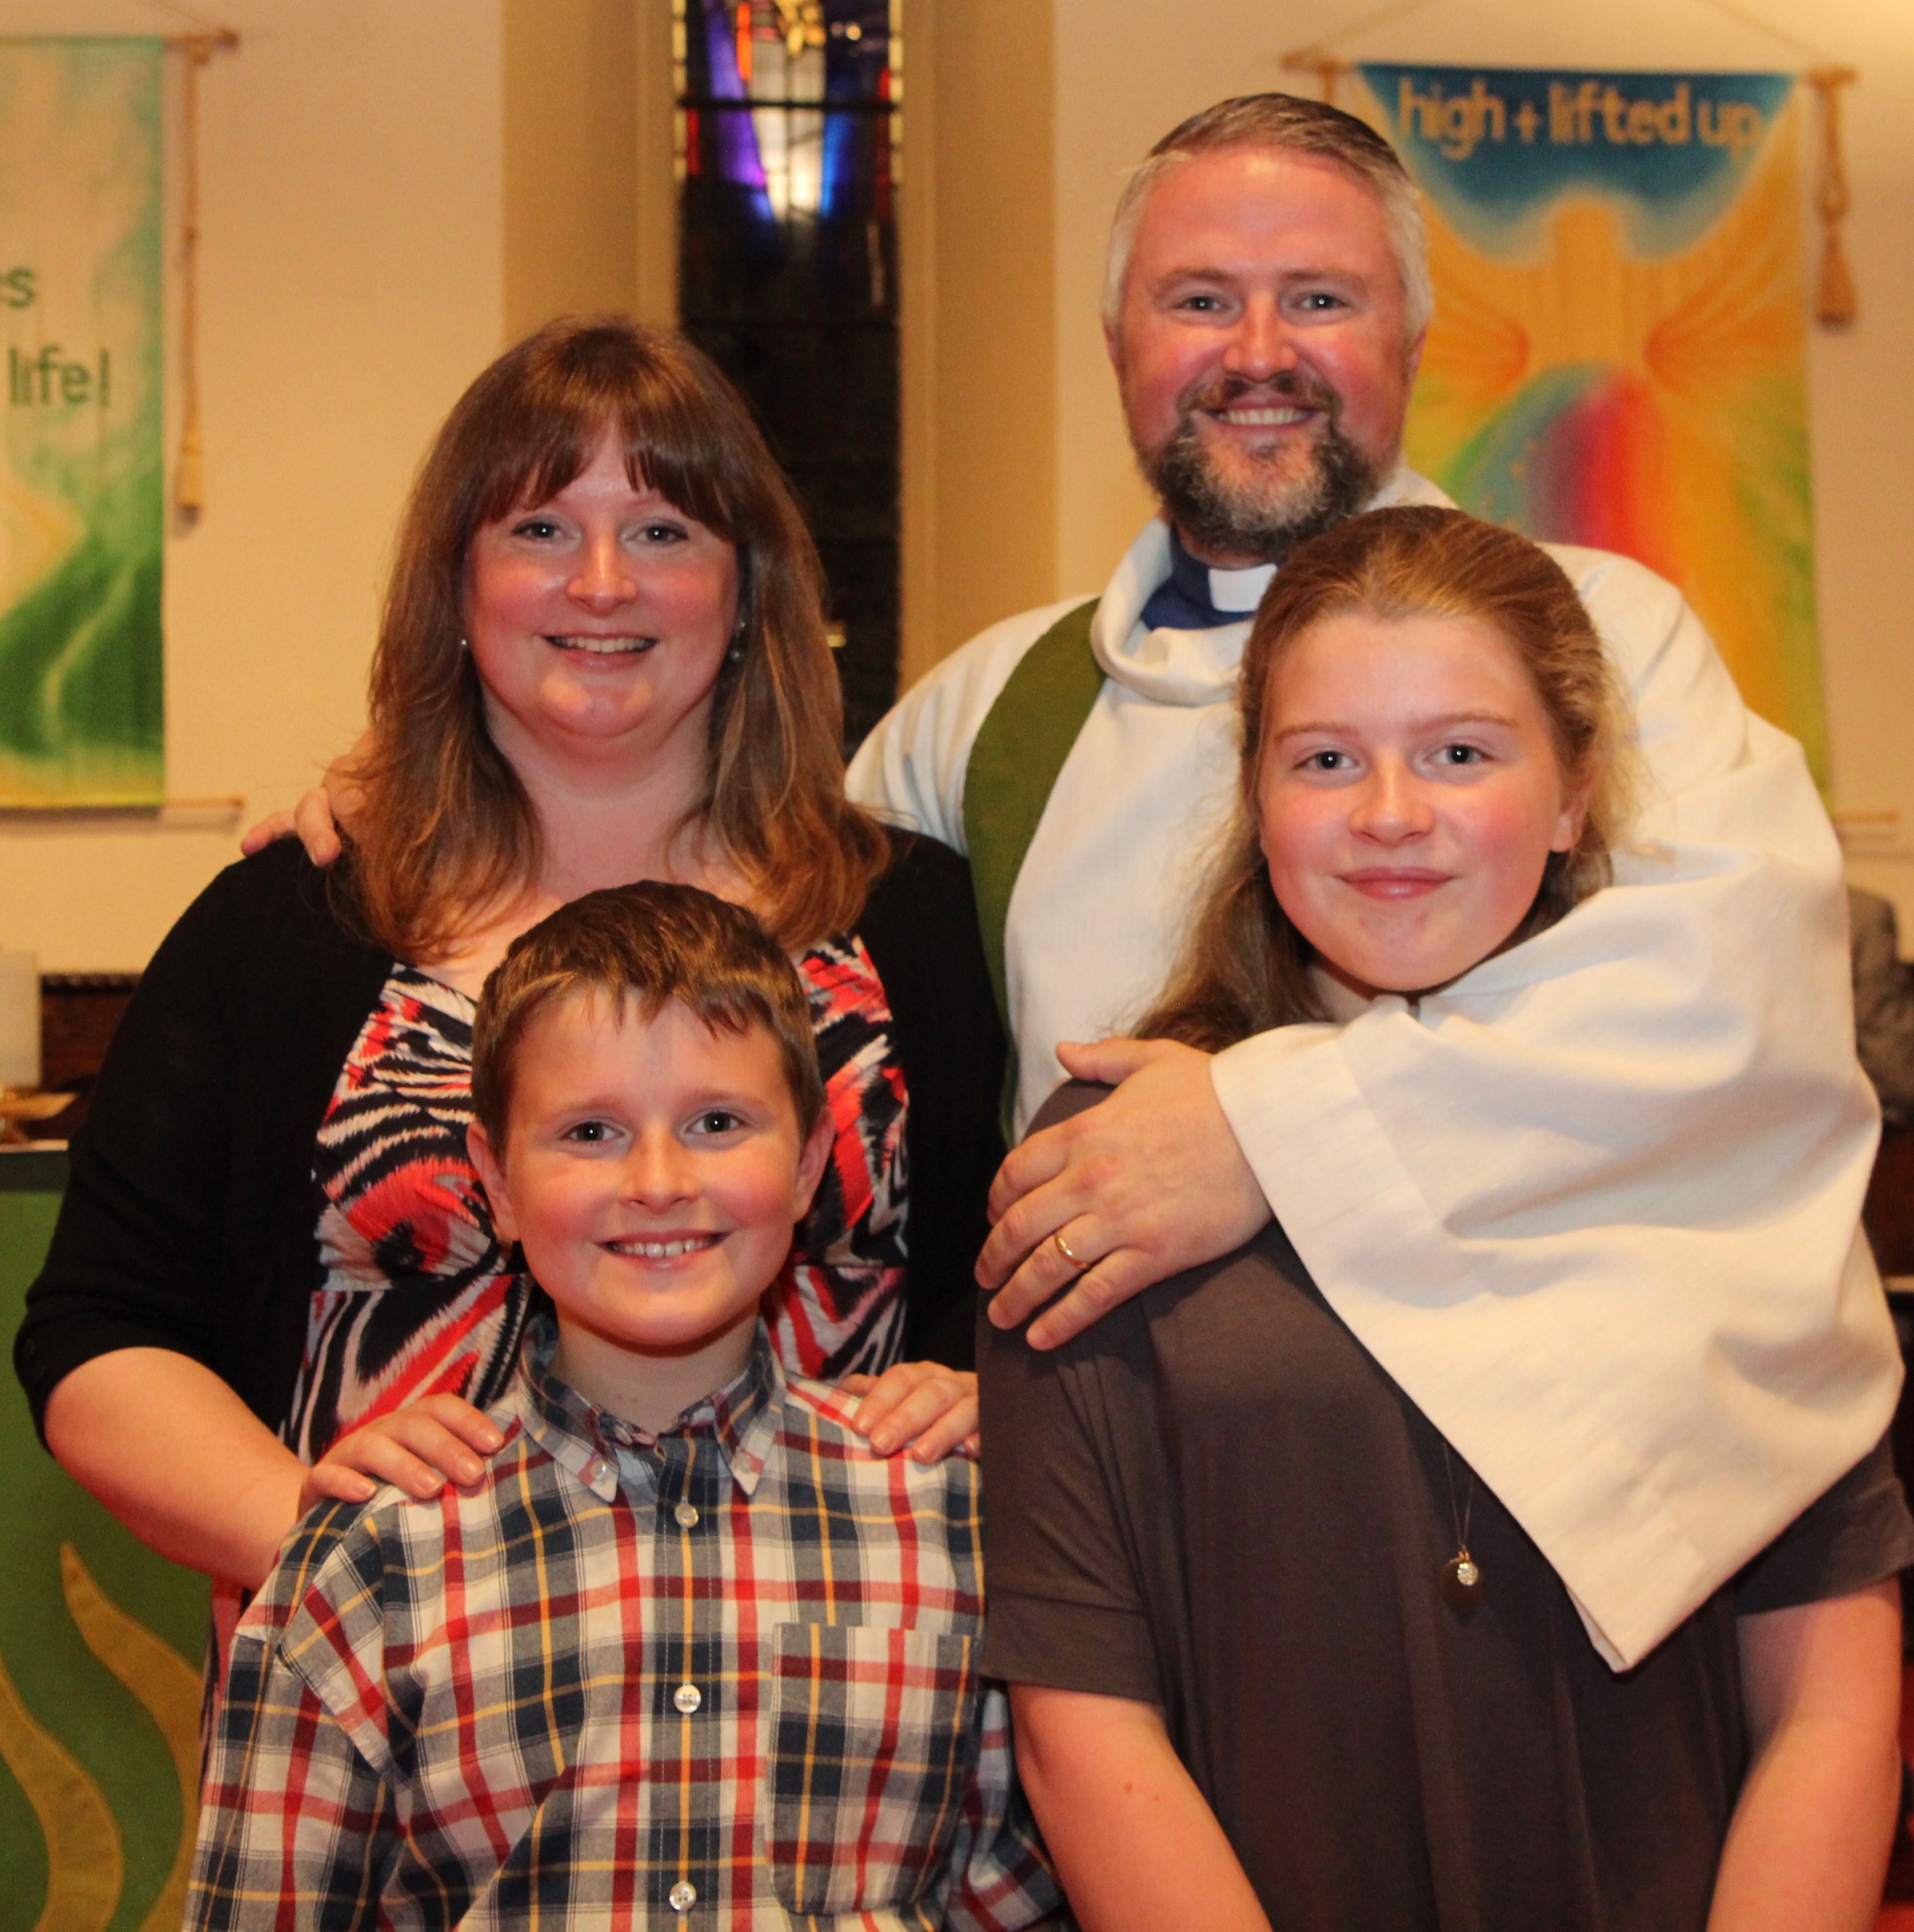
x: 1461, y: 1577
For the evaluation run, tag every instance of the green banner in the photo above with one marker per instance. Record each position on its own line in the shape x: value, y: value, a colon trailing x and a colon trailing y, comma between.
x: 82, y: 500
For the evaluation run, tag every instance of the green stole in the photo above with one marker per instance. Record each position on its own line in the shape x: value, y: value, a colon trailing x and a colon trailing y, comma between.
x: 1018, y: 750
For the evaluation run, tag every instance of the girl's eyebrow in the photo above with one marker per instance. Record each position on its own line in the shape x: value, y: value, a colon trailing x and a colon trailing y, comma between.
x: 1448, y: 721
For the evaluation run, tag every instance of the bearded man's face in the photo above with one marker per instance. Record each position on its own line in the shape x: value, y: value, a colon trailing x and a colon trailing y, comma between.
x: 1261, y: 350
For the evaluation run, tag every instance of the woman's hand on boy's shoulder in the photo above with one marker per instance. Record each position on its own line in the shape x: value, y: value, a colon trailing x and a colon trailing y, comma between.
x: 924, y: 1407
x: 419, y: 1449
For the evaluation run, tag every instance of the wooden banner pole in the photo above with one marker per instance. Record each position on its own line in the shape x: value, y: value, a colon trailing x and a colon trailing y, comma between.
x: 189, y: 487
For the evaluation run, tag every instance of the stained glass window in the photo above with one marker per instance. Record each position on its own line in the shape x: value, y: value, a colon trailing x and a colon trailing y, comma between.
x: 789, y: 129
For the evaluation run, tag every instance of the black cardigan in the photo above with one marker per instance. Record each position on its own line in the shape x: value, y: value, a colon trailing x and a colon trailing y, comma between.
x: 189, y: 1215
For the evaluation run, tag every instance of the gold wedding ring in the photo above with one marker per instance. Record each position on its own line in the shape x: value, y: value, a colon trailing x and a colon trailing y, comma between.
x: 1064, y: 1248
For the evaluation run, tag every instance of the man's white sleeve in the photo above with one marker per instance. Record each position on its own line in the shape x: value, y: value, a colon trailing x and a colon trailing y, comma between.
x: 1595, y: 1207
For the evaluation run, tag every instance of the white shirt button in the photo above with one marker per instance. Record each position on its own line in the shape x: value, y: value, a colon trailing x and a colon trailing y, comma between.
x: 687, y: 1697
x: 596, y: 1471
x: 683, y: 1896
x: 685, y: 1515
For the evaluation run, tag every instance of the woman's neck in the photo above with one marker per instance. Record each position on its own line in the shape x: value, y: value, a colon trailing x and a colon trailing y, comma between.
x: 601, y: 825
x: 607, y: 821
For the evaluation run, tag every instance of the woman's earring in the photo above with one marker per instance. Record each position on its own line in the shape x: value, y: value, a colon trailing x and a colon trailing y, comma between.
x: 736, y: 653
x: 463, y: 645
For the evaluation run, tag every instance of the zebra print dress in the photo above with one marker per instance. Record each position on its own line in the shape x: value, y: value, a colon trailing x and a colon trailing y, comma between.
x: 418, y: 1297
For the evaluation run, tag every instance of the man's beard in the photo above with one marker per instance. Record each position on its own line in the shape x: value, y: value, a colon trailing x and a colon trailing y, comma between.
x: 1267, y: 514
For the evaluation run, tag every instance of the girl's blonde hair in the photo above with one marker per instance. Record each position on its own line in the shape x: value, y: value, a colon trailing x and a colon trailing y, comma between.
x: 446, y: 827
x: 1244, y: 968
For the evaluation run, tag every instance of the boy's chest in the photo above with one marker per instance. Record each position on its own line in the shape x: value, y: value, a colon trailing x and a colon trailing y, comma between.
x: 699, y: 1694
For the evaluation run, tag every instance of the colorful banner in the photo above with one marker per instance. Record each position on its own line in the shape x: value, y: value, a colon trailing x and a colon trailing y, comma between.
x: 1618, y: 355
x: 81, y: 494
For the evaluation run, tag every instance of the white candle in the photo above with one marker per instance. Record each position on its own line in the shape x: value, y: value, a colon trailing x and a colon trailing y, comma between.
x: 19, y: 1020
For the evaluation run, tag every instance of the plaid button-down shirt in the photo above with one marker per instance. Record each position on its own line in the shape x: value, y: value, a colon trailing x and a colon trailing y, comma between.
x: 727, y: 1676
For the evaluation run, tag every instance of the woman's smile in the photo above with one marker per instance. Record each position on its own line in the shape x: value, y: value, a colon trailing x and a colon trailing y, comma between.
x: 622, y: 646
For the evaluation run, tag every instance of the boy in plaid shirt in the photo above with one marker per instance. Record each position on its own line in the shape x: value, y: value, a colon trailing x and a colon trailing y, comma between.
x: 688, y: 1654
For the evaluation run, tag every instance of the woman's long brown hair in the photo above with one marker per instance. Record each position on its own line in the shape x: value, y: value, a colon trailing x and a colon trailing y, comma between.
x: 446, y: 829
x: 1244, y: 968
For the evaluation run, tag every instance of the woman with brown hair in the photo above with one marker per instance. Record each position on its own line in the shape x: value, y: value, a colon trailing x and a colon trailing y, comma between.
x: 275, y: 1275
x: 1275, y: 1643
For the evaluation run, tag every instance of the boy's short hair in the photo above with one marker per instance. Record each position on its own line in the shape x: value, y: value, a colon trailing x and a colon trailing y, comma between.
x: 651, y: 943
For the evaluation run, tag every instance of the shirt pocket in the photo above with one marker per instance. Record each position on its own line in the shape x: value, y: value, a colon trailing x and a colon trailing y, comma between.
x: 870, y: 1750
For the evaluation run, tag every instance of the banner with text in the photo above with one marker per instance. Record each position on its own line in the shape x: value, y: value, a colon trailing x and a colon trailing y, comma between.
x: 81, y: 491
x: 1619, y: 356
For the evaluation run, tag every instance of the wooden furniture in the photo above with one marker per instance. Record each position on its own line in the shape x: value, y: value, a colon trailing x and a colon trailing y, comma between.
x: 78, y: 1013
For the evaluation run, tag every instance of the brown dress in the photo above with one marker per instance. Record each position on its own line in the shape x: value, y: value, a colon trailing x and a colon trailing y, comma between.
x: 1215, y: 1501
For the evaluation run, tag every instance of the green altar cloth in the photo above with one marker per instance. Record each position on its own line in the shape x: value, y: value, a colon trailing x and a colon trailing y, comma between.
x: 100, y: 1641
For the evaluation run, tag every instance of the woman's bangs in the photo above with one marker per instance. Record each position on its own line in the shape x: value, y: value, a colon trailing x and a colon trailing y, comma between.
x: 528, y: 460
x: 684, y: 459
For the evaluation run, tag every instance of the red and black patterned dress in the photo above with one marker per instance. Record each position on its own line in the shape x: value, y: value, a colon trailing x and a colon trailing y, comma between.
x: 418, y: 1297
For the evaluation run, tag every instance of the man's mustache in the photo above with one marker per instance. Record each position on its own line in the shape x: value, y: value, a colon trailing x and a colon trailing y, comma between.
x: 1291, y: 385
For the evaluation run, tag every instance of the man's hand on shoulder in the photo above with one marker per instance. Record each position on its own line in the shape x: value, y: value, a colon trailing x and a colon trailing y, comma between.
x: 320, y: 815
x: 1149, y: 1184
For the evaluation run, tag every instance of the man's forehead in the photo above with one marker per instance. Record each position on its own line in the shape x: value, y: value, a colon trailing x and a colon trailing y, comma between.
x: 1261, y: 201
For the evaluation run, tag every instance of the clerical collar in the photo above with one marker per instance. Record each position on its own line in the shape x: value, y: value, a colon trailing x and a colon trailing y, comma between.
x: 1194, y: 597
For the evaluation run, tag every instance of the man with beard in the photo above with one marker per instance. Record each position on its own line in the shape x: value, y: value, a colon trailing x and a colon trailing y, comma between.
x: 1649, y: 1120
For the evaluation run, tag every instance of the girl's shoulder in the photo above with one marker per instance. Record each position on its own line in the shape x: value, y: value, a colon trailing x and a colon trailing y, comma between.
x: 1856, y: 1532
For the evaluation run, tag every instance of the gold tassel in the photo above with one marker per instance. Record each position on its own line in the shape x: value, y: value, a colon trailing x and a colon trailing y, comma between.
x: 189, y: 474
x: 1835, y: 303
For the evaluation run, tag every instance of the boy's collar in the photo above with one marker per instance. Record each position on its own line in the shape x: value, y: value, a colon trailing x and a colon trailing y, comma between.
x: 584, y: 1439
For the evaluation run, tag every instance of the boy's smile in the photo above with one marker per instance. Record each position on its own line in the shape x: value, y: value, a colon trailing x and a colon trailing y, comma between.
x: 653, y: 1170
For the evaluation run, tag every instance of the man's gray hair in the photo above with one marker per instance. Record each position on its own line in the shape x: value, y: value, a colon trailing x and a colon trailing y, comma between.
x: 1297, y: 126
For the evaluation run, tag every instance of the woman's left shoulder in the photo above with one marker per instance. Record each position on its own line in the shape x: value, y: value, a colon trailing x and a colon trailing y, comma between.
x: 922, y: 897
x: 919, y: 928
x: 917, y: 861
x: 921, y: 891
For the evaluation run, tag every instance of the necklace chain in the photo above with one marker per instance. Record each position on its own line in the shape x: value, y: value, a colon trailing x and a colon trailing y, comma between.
x: 1461, y: 1576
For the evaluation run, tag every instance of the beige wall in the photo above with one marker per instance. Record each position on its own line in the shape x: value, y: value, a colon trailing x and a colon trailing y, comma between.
x: 590, y: 206
x: 571, y: 77
x: 351, y: 285
x: 1133, y: 68
x: 981, y: 499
